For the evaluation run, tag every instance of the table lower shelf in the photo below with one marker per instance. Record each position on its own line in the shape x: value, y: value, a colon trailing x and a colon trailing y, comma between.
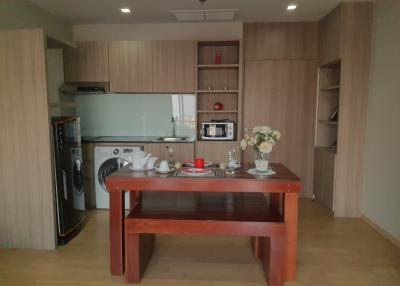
x: 238, y: 207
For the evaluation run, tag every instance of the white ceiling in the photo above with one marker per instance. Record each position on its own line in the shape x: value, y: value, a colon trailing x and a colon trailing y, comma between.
x: 157, y: 11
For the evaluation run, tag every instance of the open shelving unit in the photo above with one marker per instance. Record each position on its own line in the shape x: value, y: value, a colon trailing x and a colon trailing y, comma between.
x: 219, y: 82
x: 327, y: 103
x: 326, y: 132
x: 217, y: 66
x: 218, y: 91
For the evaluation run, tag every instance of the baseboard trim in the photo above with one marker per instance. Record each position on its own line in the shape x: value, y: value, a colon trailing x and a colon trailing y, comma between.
x: 383, y: 232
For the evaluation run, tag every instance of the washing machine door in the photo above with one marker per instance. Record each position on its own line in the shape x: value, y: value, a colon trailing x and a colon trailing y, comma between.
x: 109, y: 166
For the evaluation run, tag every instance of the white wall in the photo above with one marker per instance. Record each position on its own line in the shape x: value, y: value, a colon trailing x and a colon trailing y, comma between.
x: 167, y: 31
x: 18, y: 14
x: 381, y: 198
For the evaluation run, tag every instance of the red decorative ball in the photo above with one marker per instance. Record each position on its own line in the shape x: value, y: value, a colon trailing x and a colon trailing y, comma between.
x: 218, y: 106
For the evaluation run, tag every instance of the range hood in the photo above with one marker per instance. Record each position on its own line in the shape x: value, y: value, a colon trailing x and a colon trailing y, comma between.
x: 85, y: 88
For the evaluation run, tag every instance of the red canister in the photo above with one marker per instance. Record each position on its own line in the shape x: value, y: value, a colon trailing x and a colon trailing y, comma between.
x: 218, y: 59
x: 199, y: 163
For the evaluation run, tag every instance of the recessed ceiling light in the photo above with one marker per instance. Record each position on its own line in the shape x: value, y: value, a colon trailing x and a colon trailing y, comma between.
x: 125, y: 10
x: 291, y: 7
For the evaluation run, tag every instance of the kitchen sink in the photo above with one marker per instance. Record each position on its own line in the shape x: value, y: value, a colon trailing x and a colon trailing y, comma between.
x: 172, y: 139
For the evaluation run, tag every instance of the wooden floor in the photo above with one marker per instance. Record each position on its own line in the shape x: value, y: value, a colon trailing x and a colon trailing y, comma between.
x: 331, y: 252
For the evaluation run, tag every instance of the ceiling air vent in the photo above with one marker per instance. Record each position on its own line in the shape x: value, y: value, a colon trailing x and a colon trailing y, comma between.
x: 204, y: 15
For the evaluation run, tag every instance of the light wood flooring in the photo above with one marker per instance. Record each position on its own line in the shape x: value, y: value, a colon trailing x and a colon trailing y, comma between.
x: 331, y: 252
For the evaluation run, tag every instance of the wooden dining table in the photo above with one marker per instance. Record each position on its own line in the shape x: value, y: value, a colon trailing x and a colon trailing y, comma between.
x: 283, y: 189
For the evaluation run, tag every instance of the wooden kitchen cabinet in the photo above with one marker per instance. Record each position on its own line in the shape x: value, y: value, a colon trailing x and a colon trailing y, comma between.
x: 329, y: 37
x: 131, y: 68
x: 88, y: 62
x: 276, y: 41
x: 174, y: 66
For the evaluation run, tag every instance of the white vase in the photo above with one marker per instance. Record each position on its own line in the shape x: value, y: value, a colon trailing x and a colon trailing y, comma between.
x: 261, y: 161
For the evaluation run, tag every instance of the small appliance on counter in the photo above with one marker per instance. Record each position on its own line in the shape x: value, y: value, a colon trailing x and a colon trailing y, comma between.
x: 69, y: 188
x: 224, y: 130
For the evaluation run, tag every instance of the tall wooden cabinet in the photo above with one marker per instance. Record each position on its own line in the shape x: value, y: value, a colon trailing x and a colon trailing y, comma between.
x: 27, y: 214
x: 344, y: 52
x: 279, y: 90
x: 88, y: 62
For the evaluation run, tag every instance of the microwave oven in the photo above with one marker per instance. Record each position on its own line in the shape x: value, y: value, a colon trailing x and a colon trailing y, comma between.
x: 218, y: 131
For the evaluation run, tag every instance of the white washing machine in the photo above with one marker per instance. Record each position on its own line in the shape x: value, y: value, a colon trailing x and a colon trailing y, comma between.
x: 108, y: 159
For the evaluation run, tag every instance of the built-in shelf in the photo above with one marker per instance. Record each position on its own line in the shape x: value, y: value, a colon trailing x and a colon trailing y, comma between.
x: 332, y: 65
x: 218, y: 91
x: 218, y: 83
x: 328, y: 149
x: 217, y: 66
x: 217, y: 111
x: 329, y: 88
x: 328, y: 122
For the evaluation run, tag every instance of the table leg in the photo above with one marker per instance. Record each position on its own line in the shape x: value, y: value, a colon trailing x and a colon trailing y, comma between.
x: 117, y: 206
x: 134, y: 198
x: 291, y: 201
x: 276, y: 201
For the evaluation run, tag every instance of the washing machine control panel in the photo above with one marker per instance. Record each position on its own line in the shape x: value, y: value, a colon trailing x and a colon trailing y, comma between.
x: 111, y: 152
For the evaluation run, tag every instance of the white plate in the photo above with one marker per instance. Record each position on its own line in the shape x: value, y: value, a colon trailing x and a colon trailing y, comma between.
x: 191, y: 163
x: 253, y: 171
x: 195, y: 172
x: 164, y: 172
x: 140, y: 170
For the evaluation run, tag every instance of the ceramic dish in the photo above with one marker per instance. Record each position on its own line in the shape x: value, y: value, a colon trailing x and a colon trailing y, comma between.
x: 269, y: 172
x: 164, y: 172
x: 195, y: 172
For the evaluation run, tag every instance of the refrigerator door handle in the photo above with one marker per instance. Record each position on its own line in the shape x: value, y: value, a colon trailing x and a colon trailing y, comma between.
x: 64, y: 174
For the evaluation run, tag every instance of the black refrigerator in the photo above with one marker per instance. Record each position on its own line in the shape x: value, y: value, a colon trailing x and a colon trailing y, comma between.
x: 69, y: 187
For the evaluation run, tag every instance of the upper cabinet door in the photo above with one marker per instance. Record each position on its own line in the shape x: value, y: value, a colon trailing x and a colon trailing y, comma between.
x: 329, y: 37
x: 131, y: 66
x: 174, y: 66
x: 88, y: 62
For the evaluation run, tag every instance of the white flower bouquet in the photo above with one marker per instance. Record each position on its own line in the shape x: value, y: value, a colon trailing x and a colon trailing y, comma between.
x: 261, y: 141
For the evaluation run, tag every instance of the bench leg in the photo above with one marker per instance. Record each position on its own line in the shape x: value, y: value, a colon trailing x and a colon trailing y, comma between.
x: 275, y: 258
x: 138, y: 252
x: 132, y: 258
x: 258, y: 246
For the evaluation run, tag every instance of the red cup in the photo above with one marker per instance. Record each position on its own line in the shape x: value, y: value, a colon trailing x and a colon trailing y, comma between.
x: 199, y: 163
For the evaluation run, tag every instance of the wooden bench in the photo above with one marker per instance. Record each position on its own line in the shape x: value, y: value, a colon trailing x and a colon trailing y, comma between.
x: 236, y: 214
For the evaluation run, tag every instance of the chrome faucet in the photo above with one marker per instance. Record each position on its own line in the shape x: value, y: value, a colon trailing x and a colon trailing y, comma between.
x: 173, y: 127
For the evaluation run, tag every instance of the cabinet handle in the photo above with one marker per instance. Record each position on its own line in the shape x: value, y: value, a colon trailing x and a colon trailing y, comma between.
x: 65, y: 185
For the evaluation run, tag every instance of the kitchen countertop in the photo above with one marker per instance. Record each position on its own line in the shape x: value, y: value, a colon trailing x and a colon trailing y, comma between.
x: 126, y: 139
